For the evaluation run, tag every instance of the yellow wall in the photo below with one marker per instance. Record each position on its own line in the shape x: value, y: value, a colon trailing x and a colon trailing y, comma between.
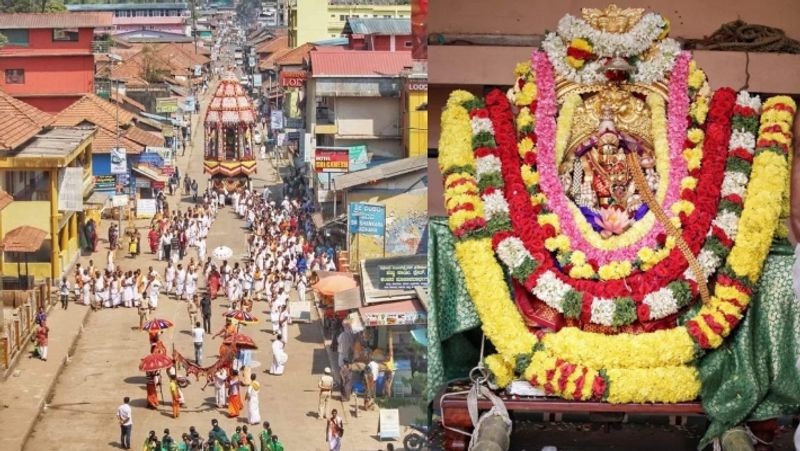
x: 335, y: 25
x: 30, y: 213
x: 417, y: 131
x: 308, y: 22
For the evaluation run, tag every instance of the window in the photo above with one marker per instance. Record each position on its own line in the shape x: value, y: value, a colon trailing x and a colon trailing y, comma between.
x: 407, y: 44
x: 15, y: 76
x: 387, y: 16
x: 342, y: 18
x: 65, y: 34
x: 17, y: 37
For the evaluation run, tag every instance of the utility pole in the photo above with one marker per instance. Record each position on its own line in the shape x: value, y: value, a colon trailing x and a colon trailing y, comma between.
x: 194, y: 26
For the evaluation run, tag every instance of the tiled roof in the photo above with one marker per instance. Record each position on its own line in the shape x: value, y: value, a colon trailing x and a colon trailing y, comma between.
x: 19, y: 121
x: 273, y: 45
x: 296, y: 56
x: 5, y: 199
x: 104, y: 140
x: 91, y: 108
x: 55, y: 20
x: 144, y: 137
x: 25, y: 239
x: 354, y: 63
x: 269, y: 63
x: 175, y: 57
x: 386, y: 26
x: 117, y: 97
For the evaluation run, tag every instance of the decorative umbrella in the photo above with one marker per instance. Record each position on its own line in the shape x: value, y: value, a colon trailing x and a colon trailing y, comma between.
x: 222, y: 252
x: 241, y: 341
x: 334, y: 284
x: 241, y: 316
x: 155, y: 362
x: 157, y: 324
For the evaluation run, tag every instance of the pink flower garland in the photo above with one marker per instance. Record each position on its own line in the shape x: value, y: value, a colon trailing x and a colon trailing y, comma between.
x: 551, y: 186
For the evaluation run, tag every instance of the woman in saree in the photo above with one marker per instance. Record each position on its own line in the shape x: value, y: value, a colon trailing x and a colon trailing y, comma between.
x: 234, y: 398
x: 153, y: 379
x: 214, y: 280
x: 153, y: 238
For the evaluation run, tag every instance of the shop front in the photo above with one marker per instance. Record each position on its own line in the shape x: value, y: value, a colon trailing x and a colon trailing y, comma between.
x: 148, y: 181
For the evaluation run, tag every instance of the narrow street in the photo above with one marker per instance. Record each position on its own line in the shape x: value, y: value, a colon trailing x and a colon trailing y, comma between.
x: 104, y: 367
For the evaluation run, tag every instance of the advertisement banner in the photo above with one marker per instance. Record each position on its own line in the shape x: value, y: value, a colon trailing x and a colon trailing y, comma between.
x: 366, y: 219
x: 358, y: 158
x: 145, y: 208
x: 257, y: 82
x: 119, y: 163
x: 331, y: 159
x: 105, y: 183
x: 166, y: 105
x: 398, y: 273
x: 276, y: 120
x: 70, y: 189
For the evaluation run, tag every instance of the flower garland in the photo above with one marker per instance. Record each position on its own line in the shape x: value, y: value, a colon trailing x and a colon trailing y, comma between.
x: 504, y: 325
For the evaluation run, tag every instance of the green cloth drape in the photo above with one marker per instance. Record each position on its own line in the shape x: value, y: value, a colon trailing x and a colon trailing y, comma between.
x: 450, y: 311
x: 753, y: 376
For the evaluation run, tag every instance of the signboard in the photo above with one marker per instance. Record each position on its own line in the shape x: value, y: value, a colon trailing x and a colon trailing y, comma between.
x: 257, y: 80
x: 105, y: 183
x: 366, y: 219
x: 142, y: 182
x: 167, y: 131
x: 251, y: 62
x: 151, y: 159
x: 198, y: 70
x: 417, y: 85
x: 358, y: 158
x: 166, y: 105
x: 276, y: 120
x: 398, y: 273
x: 394, y: 319
x: 120, y: 200
x: 293, y: 79
x: 331, y: 159
x: 70, y: 189
x: 145, y: 208
x: 119, y: 163
x: 389, y: 424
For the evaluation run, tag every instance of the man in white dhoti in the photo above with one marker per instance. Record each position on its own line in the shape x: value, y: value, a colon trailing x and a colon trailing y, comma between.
x: 220, y: 390
x: 153, y: 288
x: 253, y: 412
x: 279, y: 357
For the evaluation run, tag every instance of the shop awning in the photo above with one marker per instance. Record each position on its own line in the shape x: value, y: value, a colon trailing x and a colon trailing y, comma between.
x: 149, y: 173
x: 394, y: 313
x: 25, y: 239
x: 347, y: 299
x: 5, y: 199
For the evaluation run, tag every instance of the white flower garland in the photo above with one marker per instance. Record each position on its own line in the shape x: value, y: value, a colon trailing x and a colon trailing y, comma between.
x: 488, y: 164
x: 745, y: 99
x: 650, y: 71
x: 512, y: 252
x: 551, y: 290
x: 481, y: 124
x: 633, y: 42
x: 661, y: 303
x: 603, y: 311
x: 734, y: 183
x: 494, y: 205
x: 728, y: 222
x: 740, y: 138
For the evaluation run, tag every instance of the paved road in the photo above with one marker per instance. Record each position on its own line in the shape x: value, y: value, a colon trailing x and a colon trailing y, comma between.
x: 104, y: 368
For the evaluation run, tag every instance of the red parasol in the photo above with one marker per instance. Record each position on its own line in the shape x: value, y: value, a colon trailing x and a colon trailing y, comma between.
x: 333, y: 284
x: 241, y: 316
x: 157, y: 324
x: 155, y: 362
x: 241, y: 341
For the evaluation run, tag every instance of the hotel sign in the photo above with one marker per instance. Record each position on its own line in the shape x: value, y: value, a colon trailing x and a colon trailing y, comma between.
x: 332, y: 159
x: 417, y: 85
x: 294, y: 79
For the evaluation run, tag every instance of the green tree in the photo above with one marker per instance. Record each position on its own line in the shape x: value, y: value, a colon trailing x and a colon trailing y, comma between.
x: 32, y: 6
x: 3, y: 40
x: 154, y: 70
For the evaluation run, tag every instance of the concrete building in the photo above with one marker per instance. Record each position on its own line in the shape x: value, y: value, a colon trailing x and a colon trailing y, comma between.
x: 378, y: 34
x: 46, y: 47
x: 34, y: 161
x: 168, y: 17
x: 316, y: 20
x: 353, y: 97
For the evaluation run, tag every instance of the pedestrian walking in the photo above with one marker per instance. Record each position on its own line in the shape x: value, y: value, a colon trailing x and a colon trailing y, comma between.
x: 325, y: 386
x: 220, y: 389
x: 205, y: 309
x: 253, y: 412
x: 41, y: 340
x: 334, y: 432
x: 63, y: 292
x: 194, y: 309
x: 197, y: 337
x: 347, y: 381
x: 125, y: 418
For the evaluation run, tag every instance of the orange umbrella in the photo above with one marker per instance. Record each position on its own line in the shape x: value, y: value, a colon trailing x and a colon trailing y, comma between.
x: 241, y: 341
x: 334, y: 284
x: 154, y: 362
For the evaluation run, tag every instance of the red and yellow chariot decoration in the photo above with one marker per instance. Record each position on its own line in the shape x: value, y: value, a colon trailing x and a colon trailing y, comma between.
x: 229, y: 132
